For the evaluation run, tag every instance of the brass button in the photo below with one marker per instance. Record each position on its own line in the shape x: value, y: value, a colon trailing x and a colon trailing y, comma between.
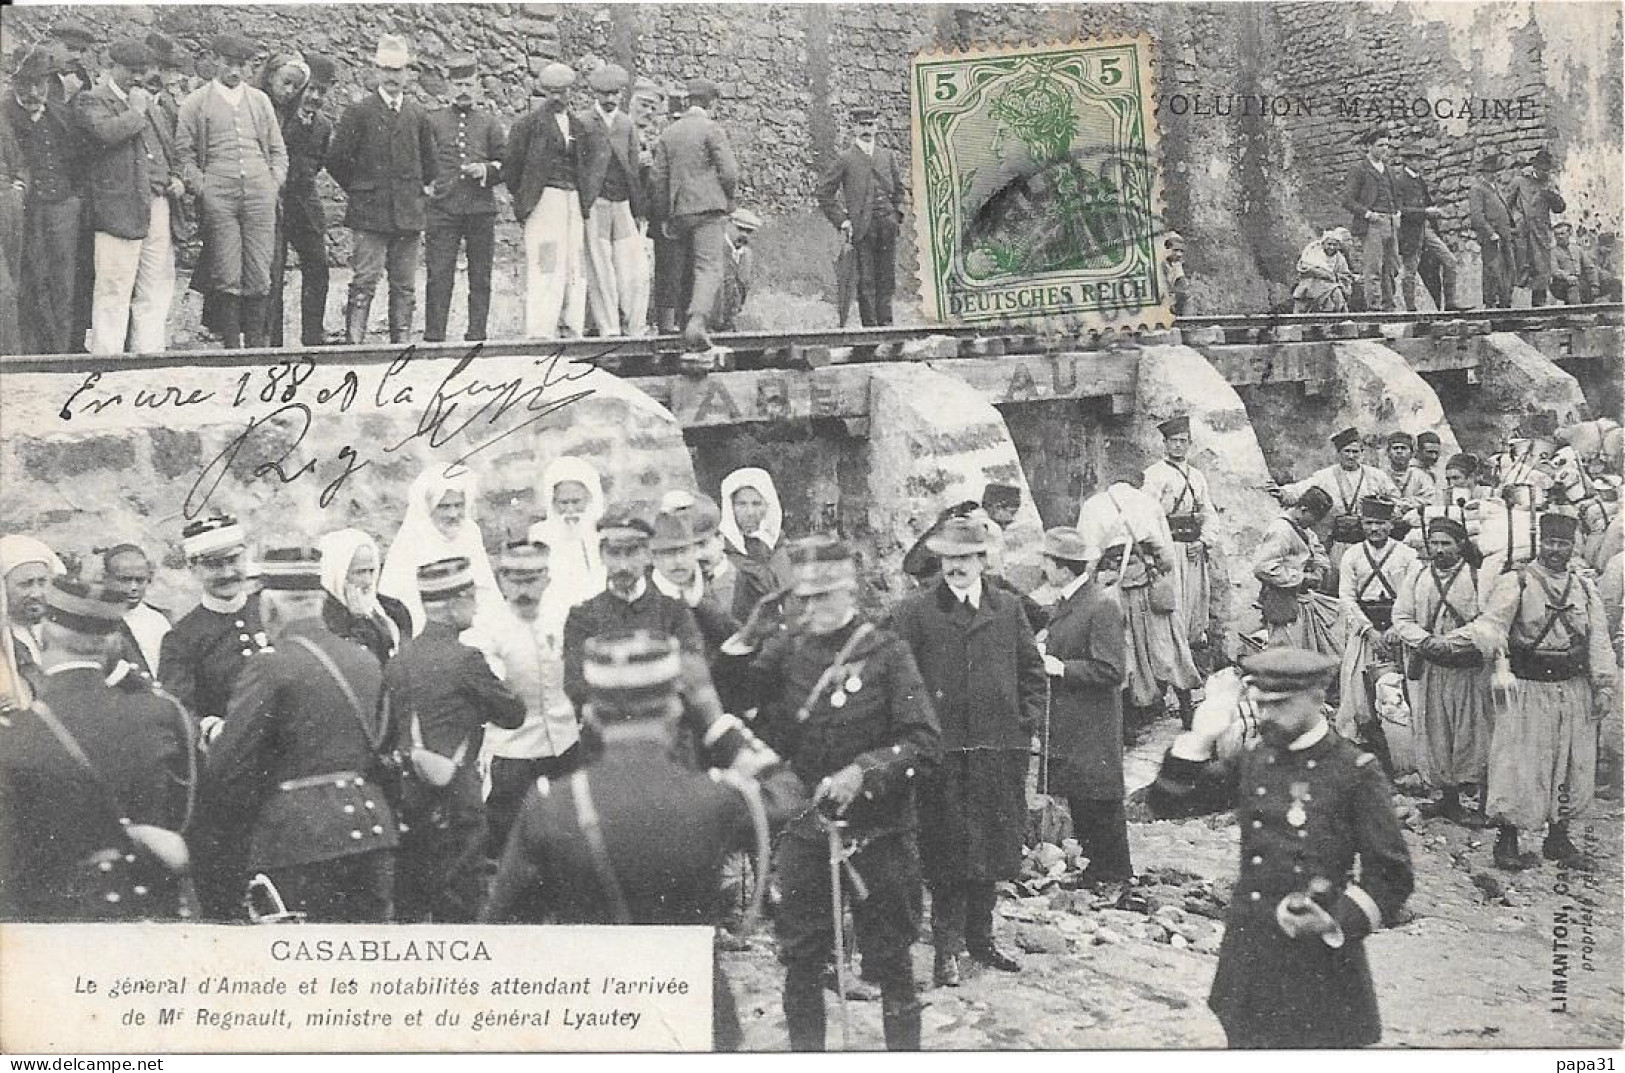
x: 1255, y: 896
x: 356, y: 835
x: 377, y: 829
x: 349, y: 809
x: 1257, y: 859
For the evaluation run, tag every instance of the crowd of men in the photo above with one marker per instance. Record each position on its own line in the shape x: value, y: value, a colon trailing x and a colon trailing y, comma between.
x: 1395, y: 235
x: 113, y: 160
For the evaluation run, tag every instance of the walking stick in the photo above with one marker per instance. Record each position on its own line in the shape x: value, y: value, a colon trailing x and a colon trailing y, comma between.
x: 836, y: 855
x: 1043, y: 754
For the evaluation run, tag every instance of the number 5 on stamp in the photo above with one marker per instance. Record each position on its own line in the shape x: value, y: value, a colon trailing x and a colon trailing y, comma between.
x: 1037, y: 185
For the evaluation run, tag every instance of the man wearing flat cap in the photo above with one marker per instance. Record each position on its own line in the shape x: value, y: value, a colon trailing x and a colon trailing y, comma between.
x: 841, y: 699
x: 1292, y: 969
x: 441, y: 693
x: 1182, y: 490
x: 1345, y: 483
x: 634, y: 865
x: 977, y: 656
x: 134, y: 174
x: 612, y: 199
x: 1421, y: 251
x: 861, y: 193
x: 1574, y: 274
x: 543, y: 171
x: 383, y: 155
x: 1370, y: 575
x: 234, y: 161
x: 695, y: 176
x: 1554, y: 681
x: 469, y: 144
x: 77, y: 71
x: 1368, y: 196
x: 1531, y: 202
x: 1491, y: 219
x: 297, y: 759
x: 96, y: 780
x: 1449, y: 689
x: 52, y: 162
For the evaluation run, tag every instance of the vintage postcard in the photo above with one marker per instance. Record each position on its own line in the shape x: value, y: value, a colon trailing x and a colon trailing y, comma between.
x: 541, y: 528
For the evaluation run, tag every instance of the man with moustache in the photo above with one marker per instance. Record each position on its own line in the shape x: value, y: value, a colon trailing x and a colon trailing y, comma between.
x: 469, y: 146
x: 308, y: 137
x: 27, y: 566
x: 1370, y: 576
x: 1345, y: 483
x: 976, y: 654
x: 1374, y: 219
x: 1491, y: 219
x: 383, y: 155
x: 869, y: 183
x: 1531, y: 201
x: 78, y: 71
x: 612, y: 198
x: 200, y: 660
x: 543, y: 172
x: 674, y: 546
x: 234, y: 162
x: 126, y: 572
x: 1182, y: 490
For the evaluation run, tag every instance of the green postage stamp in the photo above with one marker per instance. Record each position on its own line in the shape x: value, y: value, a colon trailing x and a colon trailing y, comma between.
x: 1036, y: 185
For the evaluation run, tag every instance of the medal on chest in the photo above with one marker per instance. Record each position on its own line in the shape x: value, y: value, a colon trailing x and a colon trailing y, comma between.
x: 846, y: 689
x: 1296, y: 815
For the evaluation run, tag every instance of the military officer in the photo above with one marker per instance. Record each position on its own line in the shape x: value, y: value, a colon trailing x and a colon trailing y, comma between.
x: 843, y: 701
x: 95, y: 781
x: 297, y: 757
x: 469, y: 146
x: 200, y: 660
x: 598, y: 847
x: 1292, y: 968
x: 441, y: 693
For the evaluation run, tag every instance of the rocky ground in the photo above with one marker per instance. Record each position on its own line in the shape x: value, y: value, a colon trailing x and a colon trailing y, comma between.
x: 1476, y: 964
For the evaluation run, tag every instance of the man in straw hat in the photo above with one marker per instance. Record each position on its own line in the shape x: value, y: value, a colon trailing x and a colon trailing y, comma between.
x: 296, y: 760
x: 1292, y: 968
x: 976, y: 654
x: 1554, y: 683
x: 96, y: 781
x: 383, y: 155
x: 613, y: 197
x: 543, y: 171
x: 442, y: 692
x: 842, y: 700
x: 1491, y: 220
x: 469, y: 147
x: 598, y: 846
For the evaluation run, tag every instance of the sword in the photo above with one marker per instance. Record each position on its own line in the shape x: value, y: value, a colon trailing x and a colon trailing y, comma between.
x: 840, y: 860
x: 278, y: 911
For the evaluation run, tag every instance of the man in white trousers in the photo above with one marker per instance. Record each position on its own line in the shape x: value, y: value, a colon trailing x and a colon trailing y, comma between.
x: 612, y: 196
x: 542, y: 171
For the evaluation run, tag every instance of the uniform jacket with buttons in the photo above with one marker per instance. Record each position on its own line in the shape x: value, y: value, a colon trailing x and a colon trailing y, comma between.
x: 296, y: 755
x: 885, y: 726
x: 52, y: 151
x: 55, y: 814
x: 127, y: 155
x: 199, y: 659
x: 606, y: 612
x: 472, y: 137
x: 383, y: 160
x: 1304, y: 814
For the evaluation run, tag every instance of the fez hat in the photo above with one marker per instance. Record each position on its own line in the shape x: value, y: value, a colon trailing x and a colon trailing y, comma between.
x: 1377, y: 508
x: 628, y: 669
x: 128, y: 52
x: 821, y: 564
x: 290, y: 569
x: 162, y: 48
x: 1346, y: 437
x: 1284, y: 670
x: 998, y: 494
x: 71, y: 29
x: 1427, y: 436
x: 322, y: 71
x: 1555, y: 526
x: 1401, y: 436
x: 1315, y: 501
x: 393, y: 53
x: 1451, y: 528
x: 1066, y: 543
x: 609, y: 77
x: 462, y: 65
x: 1175, y: 426
x: 622, y: 524
x: 746, y: 220
x: 232, y: 46
x: 673, y: 531
x: 957, y: 536
x: 865, y: 114
x: 1463, y: 463
x: 208, y: 537
x: 445, y: 578
x: 71, y: 603
x: 523, y: 557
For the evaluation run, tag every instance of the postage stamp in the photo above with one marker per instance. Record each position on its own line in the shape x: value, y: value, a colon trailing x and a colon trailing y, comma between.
x: 1036, y: 184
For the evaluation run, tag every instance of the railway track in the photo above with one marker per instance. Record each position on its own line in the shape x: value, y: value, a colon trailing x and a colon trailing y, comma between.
x: 656, y: 355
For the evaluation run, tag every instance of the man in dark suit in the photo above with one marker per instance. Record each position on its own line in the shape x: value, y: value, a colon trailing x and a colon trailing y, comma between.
x: 695, y: 176
x: 1421, y: 250
x: 1368, y: 197
x: 543, y: 172
x: 441, y: 694
x: 133, y: 174
x: 53, y: 207
x: 383, y: 155
x: 869, y: 182
x: 1492, y: 224
x: 296, y: 760
x: 1531, y: 201
x: 95, y: 781
x: 469, y: 146
x: 635, y: 866
x: 308, y: 135
x: 612, y: 199
x: 976, y: 654
x: 1085, y: 655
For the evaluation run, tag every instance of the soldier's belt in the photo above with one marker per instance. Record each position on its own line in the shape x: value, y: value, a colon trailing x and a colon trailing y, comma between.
x: 339, y: 779
x: 1547, y: 665
x: 1185, y: 528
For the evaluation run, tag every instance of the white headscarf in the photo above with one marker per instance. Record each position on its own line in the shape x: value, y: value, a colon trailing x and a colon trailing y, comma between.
x: 420, y: 542
x: 339, y: 550
x: 18, y: 550
x: 772, y: 522
x: 576, y: 566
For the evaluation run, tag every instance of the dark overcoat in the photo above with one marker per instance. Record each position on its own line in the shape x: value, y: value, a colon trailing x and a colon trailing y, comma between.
x: 383, y: 160
x: 986, y: 682
x: 1088, y: 633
